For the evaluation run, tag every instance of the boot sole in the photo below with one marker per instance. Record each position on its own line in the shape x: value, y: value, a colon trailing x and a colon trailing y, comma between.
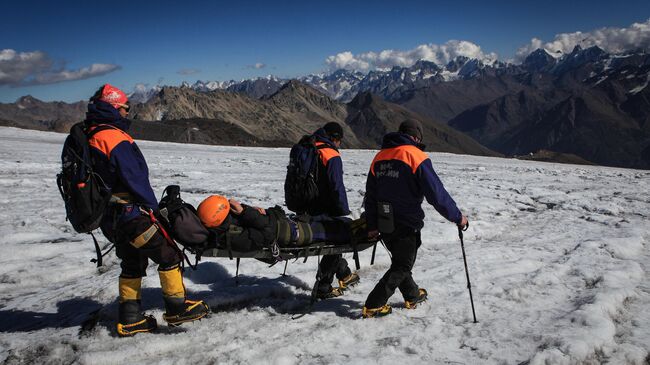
x: 378, y: 315
x: 126, y: 332
x: 349, y: 285
x: 414, y: 305
x: 172, y: 323
x: 133, y: 333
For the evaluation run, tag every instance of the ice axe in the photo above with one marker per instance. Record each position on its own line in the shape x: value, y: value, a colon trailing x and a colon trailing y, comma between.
x: 469, y: 285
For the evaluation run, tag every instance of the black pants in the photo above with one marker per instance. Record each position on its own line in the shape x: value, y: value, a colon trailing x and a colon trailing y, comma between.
x: 331, y: 265
x: 403, y: 245
x: 135, y: 259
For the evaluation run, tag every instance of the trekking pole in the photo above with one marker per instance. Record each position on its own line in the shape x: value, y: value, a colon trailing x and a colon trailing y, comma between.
x: 469, y: 285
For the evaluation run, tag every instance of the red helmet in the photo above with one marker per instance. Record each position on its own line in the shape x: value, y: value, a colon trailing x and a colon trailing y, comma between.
x: 213, y: 210
x: 114, y: 96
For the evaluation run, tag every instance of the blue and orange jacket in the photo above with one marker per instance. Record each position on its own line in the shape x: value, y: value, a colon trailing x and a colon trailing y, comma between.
x: 117, y: 159
x: 402, y: 174
x: 332, y: 199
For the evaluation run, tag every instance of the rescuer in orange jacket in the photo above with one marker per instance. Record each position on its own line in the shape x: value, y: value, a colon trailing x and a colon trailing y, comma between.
x: 332, y: 201
x: 400, y: 177
x: 129, y: 221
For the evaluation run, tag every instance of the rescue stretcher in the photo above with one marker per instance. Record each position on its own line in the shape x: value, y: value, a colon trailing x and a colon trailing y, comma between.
x: 286, y: 254
x: 314, y: 249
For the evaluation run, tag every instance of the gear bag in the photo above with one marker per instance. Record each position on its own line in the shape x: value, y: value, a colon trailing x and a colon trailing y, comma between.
x: 385, y: 218
x: 182, y: 220
x: 84, y: 193
x: 300, y: 185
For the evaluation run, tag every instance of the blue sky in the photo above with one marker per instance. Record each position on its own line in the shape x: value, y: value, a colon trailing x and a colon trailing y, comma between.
x: 151, y: 42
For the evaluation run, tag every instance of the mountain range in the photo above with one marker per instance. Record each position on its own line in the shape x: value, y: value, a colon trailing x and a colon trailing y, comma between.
x: 588, y: 104
x: 294, y: 110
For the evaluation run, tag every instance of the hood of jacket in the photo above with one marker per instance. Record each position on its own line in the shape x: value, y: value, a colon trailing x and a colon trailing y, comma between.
x: 101, y: 112
x: 321, y: 136
x: 396, y: 139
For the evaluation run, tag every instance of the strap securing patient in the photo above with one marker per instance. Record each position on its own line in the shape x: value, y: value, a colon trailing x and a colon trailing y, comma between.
x: 233, y: 230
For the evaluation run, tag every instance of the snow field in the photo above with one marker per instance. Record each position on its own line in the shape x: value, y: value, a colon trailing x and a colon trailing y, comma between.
x: 557, y: 255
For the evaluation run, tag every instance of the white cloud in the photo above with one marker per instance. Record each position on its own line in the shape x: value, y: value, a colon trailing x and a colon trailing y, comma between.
x: 37, y: 68
x: 96, y: 69
x: 440, y: 54
x: 611, y: 39
x: 16, y: 67
x: 257, y: 66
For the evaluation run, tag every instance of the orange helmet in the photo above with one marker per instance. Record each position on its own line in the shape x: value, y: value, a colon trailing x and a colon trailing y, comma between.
x: 213, y: 210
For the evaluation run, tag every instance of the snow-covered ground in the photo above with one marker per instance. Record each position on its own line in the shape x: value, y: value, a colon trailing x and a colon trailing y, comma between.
x: 558, y: 256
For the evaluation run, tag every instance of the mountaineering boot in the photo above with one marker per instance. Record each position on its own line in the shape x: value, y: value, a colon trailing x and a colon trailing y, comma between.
x: 376, y: 312
x: 179, y: 309
x: 422, y: 296
x: 332, y: 293
x: 131, y: 320
x: 349, y: 281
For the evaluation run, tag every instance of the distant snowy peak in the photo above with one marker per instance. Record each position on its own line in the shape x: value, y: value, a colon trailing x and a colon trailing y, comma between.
x: 597, y: 68
x: 579, y: 57
x: 258, y: 88
x: 344, y: 85
x: 142, y: 93
x: 336, y: 84
x: 539, y: 60
x: 206, y: 86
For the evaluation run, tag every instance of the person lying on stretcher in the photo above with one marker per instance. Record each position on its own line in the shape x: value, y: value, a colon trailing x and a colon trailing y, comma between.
x: 249, y: 228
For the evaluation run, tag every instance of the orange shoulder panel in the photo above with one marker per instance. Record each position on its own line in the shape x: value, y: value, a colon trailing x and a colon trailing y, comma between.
x: 326, y: 153
x: 410, y: 155
x: 107, y: 139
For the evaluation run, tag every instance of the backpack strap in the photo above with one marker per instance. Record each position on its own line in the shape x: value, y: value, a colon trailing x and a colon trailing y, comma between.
x: 98, y: 251
x: 322, y: 145
x: 94, y: 129
x: 355, y: 255
x: 171, y: 201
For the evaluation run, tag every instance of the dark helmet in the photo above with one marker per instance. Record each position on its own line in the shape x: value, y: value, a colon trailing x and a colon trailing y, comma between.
x: 413, y: 128
x: 333, y: 130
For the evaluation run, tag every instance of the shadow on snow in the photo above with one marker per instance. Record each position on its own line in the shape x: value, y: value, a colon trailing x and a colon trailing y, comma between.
x: 252, y: 292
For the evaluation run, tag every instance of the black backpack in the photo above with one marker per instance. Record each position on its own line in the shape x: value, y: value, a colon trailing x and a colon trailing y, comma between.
x: 300, y: 185
x: 84, y: 193
x: 183, y: 224
x: 182, y: 220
